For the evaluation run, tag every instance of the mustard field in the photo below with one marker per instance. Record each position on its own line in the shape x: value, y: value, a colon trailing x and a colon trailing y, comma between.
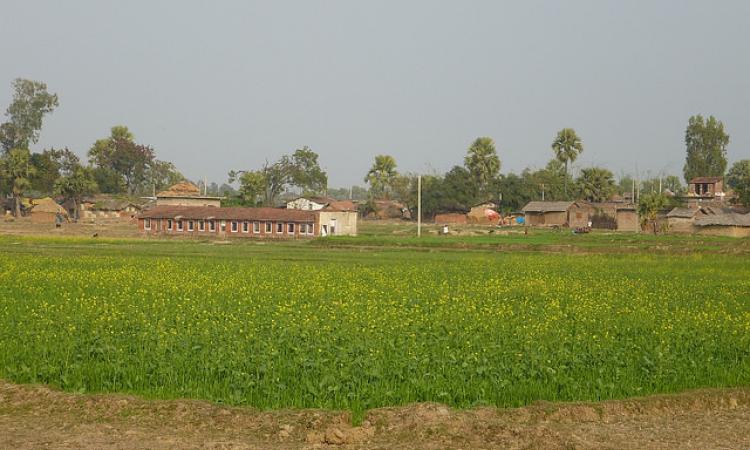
x: 277, y: 326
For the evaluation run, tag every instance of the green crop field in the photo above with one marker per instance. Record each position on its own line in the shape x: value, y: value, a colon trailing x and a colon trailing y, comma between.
x: 358, y: 323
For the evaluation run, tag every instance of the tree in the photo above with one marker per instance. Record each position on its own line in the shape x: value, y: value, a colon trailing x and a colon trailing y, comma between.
x: 16, y: 167
x: 50, y: 165
x: 596, y: 184
x: 738, y: 179
x: 75, y: 186
x: 305, y: 172
x: 482, y: 163
x: 252, y: 187
x: 381, y: 175
x: 567, y: 146
x: 162, y: 174
x: 706, y: 144
x: 649, y: 206
x: 120, y: 155
x: 31, y: 102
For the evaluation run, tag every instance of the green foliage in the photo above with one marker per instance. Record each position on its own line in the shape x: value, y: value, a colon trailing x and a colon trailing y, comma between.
x: 482, y: 163
x: 567, y: 146
x: 595, y: 184
x: 17, y: 169
x: 162, y: 174
x: 706, y: 144
x: 352, y: 193
x: 74, y: 186
x: 301, y: 170
x: 31, y: 102
x: 305, y: 172
x: 381, y: 176
x: 649, y: 206
x: 738, y: 179
x: 125, y: 160
x: 50, y: 165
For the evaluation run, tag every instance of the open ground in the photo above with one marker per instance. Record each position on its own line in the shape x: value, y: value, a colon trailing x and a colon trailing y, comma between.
x: 379, y: 341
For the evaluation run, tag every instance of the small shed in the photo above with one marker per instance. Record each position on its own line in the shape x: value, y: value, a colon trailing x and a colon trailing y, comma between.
x: 680, y: 220
x: 731, y: 224
x: 45, y: 210
x: 556, y: 214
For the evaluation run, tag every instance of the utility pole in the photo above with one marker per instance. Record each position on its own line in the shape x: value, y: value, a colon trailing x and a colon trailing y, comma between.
x: 205, y: 186
x: 419, y: 205
x: 542, y: 191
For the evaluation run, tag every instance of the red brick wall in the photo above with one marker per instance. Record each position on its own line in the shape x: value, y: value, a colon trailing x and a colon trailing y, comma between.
x: 160, y: 226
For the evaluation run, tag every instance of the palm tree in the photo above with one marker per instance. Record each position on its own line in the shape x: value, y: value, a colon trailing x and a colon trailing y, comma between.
x: 596, y: 184
x: 381, y: 175
x: 482, y: 162
x: 567, y: 146
x: 17, y: 168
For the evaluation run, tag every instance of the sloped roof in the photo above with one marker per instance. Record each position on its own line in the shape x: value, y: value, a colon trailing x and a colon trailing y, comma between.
x: 683, y: 213
x: 706, y: 180
x: 234, y: 213
x: 341, y: 205
x: 729, y: 220
x: 547, y: 206
x: 47, y: 205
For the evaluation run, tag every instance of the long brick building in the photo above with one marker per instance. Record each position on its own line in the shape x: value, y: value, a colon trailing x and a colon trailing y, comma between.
x: 262, y: 223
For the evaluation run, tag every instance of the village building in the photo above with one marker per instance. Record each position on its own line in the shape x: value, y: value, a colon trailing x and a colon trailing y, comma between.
x: 103, y: 207
x: 728, y: 224
x: 619, y: 216
x: 681, y: 219
x: 46, y: 210
x: 314, y: 203
x: 260, y: 223
x: 556, y: 214
x: 186, y: 194
x: 705, y: 190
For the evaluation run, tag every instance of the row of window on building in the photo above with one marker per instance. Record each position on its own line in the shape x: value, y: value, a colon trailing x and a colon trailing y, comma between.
x: 234, y: 226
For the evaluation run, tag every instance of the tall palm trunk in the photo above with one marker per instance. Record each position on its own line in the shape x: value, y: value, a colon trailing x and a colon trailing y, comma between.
x: 17, y: 206
x: 566, y: 180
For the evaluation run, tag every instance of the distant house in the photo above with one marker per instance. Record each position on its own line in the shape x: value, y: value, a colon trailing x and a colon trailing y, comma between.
x: 260, y: 223
x: 314, y: 203
x: 104, y: 207
x: 680, y: 219
x: 556, y: 214
x: 705, y: 189
x: 728, y: 224
x: 185, y: 194
x: 46, y: 210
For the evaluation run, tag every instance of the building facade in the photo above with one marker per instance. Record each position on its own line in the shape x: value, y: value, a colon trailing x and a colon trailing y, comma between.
x: 259, y: 223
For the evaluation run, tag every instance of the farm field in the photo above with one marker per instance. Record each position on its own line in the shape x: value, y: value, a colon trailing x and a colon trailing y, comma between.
x: 311, y: 325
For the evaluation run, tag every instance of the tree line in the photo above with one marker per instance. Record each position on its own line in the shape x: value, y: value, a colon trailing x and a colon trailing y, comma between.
x: 118, y: 164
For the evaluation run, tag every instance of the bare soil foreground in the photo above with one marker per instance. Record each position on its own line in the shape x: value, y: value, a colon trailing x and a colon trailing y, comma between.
x: 36, y: 417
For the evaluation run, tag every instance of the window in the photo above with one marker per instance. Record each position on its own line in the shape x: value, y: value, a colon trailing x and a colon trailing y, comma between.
x: 256, y: 227
x: 310, y: 228
x: 234, y: 226
x: 269, y: 227
x: 179, y: 225
x: 223, y: 226
x: 279, y: 227
x: 245, y: 227
x: 201, y: 225
x: 169, y: 224
x: 190, y: 225
x: 212, y: 225
x: 290, y: 228
x: 146, y: 224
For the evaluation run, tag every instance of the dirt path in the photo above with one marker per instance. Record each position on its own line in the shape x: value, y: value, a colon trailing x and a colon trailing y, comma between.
x: 35, y: 417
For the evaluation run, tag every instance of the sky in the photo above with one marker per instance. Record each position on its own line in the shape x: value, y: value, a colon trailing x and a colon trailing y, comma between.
x: 215, y: 86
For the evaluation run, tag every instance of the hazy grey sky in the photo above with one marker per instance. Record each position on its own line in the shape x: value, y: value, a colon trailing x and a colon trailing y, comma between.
x: 219, y: 85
